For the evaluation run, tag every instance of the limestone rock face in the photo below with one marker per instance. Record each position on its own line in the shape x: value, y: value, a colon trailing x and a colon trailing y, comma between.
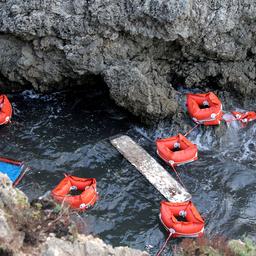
x: 85, y: 245
x: 143, y: 49
x: 138, y: 95
x: 10, y: 200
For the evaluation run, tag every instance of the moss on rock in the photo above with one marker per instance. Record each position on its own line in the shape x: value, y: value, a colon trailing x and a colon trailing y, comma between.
x: 243, y: 248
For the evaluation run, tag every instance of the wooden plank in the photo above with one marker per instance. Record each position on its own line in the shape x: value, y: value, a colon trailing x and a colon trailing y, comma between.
x: 151, y: 169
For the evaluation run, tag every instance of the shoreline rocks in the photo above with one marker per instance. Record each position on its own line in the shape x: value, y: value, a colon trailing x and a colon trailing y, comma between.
x: 85, y: 245
x: 37, y: 229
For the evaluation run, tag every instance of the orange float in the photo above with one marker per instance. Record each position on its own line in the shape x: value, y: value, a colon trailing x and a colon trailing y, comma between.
x: 204, y: 108
x: 176, y: 150
x: 5, y: 110
x: 82, y: 202
x: 182, y: 219
x: 244, y: 117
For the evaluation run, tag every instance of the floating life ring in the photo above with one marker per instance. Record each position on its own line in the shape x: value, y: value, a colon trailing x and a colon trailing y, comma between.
x: 204, y: 108
x: 176, y: 150
x: 244, y: 117
x: 191, y: 225
x: 82, y: 202
x: 5, y: 110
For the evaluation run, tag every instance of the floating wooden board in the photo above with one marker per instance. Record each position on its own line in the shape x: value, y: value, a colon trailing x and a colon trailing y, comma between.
x: 151, y: 169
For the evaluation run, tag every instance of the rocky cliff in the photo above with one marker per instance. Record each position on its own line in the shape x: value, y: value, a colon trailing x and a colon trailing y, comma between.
x: 143, y: 49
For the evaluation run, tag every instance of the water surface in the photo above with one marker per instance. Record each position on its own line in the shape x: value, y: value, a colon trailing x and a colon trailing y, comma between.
x: 69, y: 133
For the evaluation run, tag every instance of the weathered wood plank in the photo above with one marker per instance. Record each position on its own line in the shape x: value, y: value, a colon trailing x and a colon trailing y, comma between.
x: 151, y: 169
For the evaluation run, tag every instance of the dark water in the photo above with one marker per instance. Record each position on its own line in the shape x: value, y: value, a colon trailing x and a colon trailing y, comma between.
x: 70, y: 133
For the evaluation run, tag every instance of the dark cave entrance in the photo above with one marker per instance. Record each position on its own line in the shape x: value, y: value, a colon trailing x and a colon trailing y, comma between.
x: 7, y: 86
x: 88, y: 93
x: 210, y: 83
x: 91, y: 95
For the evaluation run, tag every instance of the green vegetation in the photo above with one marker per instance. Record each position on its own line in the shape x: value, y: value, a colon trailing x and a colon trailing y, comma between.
x: 243, y: 248
x: 216, y: 247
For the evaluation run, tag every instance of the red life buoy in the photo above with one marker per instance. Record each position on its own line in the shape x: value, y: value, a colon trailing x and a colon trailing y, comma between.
x: 204, y: 108
x: 82, y: 202
x: 176, y: 150
x: 191, y: 225
x: 244, y: 117
x: 5, y: 110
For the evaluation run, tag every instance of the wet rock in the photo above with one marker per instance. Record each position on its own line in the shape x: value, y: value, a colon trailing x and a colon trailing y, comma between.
x: 139, y: 94
x: 85, y: 245
x: 149, y: 44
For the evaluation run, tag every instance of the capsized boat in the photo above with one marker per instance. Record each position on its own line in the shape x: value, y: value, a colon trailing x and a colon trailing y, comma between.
x: 14, y: 169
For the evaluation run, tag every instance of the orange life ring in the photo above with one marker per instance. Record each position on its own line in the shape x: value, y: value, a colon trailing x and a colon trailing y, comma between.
x: 192, y: 224
x: 85, y: 200
x: 176, y: 150
x: 5, y: 110
x: 204, y: 108
x: 244, y: 117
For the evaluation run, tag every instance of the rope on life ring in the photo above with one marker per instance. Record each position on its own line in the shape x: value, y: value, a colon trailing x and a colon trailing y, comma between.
x: 171, y: 232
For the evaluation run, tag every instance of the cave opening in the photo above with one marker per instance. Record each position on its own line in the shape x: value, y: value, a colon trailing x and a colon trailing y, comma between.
x: 88, y: 93
x: 209, y: 83
x: 212, y: 82
x: 7, y: 86
x: 177, y: 81
x: 91, y: 89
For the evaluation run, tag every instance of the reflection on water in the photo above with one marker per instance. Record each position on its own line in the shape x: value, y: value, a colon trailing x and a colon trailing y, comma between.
x: 70, y: 133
